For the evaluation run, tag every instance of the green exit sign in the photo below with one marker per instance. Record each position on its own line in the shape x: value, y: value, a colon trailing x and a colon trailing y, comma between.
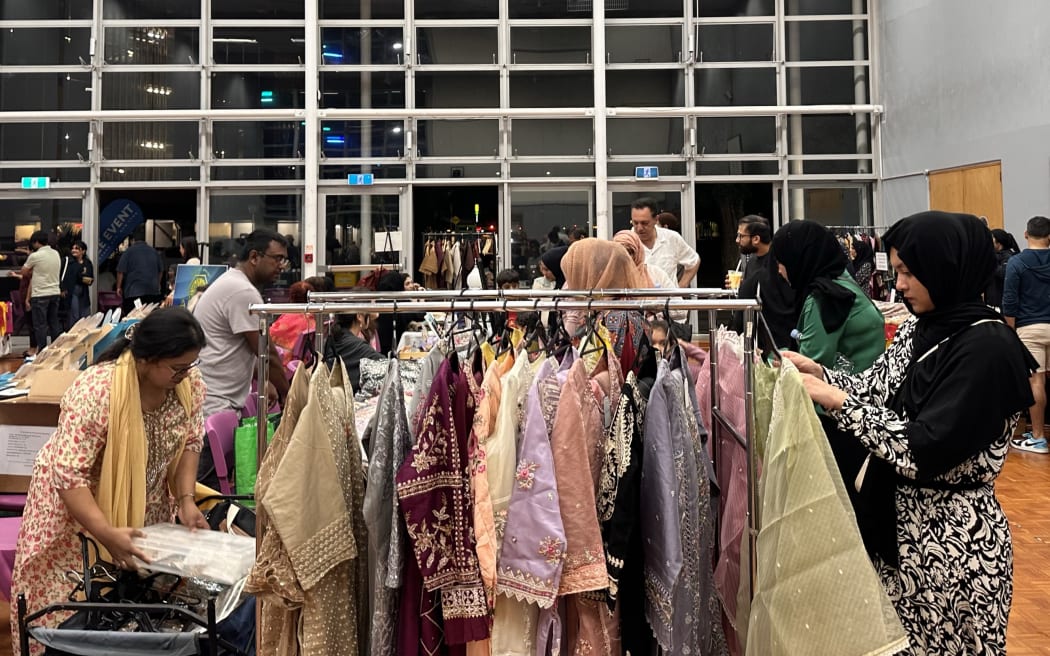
x: 36, y: 183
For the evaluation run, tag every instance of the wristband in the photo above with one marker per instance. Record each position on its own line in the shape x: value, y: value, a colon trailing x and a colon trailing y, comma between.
x: 183, y: 496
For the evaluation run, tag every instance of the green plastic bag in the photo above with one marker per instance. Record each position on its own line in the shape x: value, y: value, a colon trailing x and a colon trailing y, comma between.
x: 245, y: 453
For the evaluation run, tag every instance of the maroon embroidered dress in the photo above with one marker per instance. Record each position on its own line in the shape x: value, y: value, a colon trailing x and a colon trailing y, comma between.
x: 434, y: 492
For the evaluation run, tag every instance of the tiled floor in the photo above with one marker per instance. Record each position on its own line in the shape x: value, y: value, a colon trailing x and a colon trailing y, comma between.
x: 1023, y: 489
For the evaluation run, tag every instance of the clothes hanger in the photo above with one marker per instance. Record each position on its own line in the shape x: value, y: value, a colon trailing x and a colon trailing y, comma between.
x: 591, y: 342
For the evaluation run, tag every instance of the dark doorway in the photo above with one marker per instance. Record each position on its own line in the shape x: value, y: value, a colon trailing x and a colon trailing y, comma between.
x: 170, y: 215
x: 451, y: 209
x: 718, y: 208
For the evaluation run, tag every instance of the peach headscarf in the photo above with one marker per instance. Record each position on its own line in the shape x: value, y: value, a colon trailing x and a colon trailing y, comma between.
x: 633, y: 243
x: 598, y: 264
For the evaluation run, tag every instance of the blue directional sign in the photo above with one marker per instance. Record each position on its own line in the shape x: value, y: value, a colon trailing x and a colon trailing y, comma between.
x: 36, y: 183
x: 646, y: 172
x: 360, y: 178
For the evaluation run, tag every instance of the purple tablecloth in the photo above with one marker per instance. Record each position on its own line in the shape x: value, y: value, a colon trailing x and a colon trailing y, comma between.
x: 8, y: 537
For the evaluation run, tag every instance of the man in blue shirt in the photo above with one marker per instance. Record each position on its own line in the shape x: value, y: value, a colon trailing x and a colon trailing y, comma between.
x: 1026, y: 305
x: 139, y: 272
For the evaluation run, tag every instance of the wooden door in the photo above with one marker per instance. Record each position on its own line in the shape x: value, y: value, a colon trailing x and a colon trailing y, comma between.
x: 976, y: 189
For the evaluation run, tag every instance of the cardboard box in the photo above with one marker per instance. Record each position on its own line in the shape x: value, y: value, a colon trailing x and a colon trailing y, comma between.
x: 49, y: 385
x: 22, y: 412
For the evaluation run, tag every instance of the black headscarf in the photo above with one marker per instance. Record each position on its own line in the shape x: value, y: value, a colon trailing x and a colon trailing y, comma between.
x: 813, y: 259
x: 552, y: 260
x: 957, y: 397
x: 1006, y: 240
x: 864, y: 253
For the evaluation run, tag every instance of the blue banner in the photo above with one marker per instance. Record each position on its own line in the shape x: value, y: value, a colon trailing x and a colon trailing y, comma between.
x: 118, y: 220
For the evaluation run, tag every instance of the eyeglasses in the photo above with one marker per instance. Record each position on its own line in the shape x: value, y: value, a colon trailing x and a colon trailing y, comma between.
x: 744, y: 236
x: 182, y: 371
x: 281, y: 260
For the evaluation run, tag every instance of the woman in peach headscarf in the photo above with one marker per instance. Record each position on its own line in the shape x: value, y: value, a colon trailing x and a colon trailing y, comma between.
x: 598, y: 264
x: 648, y: 277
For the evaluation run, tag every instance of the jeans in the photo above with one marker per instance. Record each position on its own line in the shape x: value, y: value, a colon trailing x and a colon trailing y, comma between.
x: 81, y: 307
x: 44, y: 310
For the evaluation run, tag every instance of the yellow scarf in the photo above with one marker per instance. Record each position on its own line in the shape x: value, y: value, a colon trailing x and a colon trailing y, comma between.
x: 122, y: 485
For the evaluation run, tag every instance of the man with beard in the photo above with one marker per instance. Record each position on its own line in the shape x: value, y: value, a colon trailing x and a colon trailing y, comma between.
x: 761, y: 280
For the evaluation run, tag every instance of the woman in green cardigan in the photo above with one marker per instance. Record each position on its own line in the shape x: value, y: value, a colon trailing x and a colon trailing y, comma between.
x: 838, y: 325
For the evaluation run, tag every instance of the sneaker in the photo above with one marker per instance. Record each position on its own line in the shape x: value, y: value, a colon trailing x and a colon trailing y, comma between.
x: 1028, y: 443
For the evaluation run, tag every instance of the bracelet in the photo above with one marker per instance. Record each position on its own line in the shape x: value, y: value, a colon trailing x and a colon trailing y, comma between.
x: 188, y: 494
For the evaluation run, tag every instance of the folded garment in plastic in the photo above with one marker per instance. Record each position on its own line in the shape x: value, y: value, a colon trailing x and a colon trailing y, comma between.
x: 210, y: 555
x: 116, y: 643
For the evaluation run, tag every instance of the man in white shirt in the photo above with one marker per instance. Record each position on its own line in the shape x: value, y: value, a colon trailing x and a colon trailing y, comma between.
x: 44, y: 292
x: 664, y: 249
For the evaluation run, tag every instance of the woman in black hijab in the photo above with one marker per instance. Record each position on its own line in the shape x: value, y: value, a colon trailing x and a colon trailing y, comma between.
x: 863, y: 264
x: 837, y: 325
x: 552, y: 260
x: 935, y: 414
x: 1005, y: 248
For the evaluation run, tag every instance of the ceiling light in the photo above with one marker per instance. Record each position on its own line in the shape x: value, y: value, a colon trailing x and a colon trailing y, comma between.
x: 397, y: 129
x: 397, y: 45
x: 232, y: 40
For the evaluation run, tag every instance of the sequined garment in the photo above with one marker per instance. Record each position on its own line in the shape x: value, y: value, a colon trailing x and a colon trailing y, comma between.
x: 314, y: 502
x: 434, y: 493
x: 381, y: 512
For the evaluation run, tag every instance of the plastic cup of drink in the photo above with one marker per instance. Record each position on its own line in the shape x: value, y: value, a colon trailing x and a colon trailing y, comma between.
x: 734, y: 279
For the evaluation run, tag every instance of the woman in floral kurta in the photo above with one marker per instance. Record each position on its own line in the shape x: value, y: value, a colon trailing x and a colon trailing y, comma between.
x: 48, y: 545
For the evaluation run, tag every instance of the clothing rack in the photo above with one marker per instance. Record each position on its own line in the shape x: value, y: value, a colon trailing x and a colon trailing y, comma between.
x: 459, y: 233
x: 549, y: 300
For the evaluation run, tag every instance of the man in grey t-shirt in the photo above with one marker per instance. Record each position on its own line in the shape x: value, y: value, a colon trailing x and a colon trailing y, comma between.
x: 43, y: 264
x: 229, y: 358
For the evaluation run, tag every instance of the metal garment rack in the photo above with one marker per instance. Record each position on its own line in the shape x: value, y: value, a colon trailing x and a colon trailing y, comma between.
x: 648, y: 300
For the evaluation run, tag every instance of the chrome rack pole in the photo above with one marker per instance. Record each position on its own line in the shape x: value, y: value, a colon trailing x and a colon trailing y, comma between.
x: 752, y: 455
x: 263, y: 379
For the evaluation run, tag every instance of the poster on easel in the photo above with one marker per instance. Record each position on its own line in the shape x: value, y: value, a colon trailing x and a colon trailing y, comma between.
x: 192, y: 279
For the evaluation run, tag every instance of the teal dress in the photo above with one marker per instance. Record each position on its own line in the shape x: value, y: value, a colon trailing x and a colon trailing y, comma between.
x: 857, y: 342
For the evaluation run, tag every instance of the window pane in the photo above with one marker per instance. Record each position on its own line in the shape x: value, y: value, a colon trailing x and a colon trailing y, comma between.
x: 256, y: 9
x: 256, y: 139
x: 447, y: 90
x: 132, y: 9
x: 362, y: 45
x: 351, y: 224
x: 54, y: 10
x: 150, y: 46
x: 814, y: 7
x: 548, y: 9
x: 722, y: 167
x: 151, y: 90
x: 258, y: 46
x: 836, y: 166
x: 45, y: 91
x: 21, y: 46
x: 736, y: 87
x: 634, y: 9
x: 456, y: 45
x: 279, y: 172
x: 643, y: 44
x: 828, y: 85
x: 726, y: 8
x: 257, y: 90
x: 151, y: 174
x: 733, y: 43
x: 552, y: 137
x: 444, y: 9
x: 645, y: 136
x: 78, y: 174
x: 831, y: 133
x: 550, y: 45
x: 841, y: 206
x: 627, y: 169
x: 234, y: 217
x: 551, y: 89
x: 363, y: 138
x: 660, y: 88
x: 341, y: 171
x: 458, y: 139
x: 535, y: 214
x: 552, y: 170
x: 826, y: 41
x: 747, y: 134
x: 20, y: 217
x: 150, y: 140
x: 361, y: 9
x: 667, y: 201
x: 431, y: 171
x: 33, y: 141
x: 385, y: 90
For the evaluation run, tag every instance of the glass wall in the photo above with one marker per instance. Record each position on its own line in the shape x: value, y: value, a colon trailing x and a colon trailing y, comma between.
x: 541, y: 104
